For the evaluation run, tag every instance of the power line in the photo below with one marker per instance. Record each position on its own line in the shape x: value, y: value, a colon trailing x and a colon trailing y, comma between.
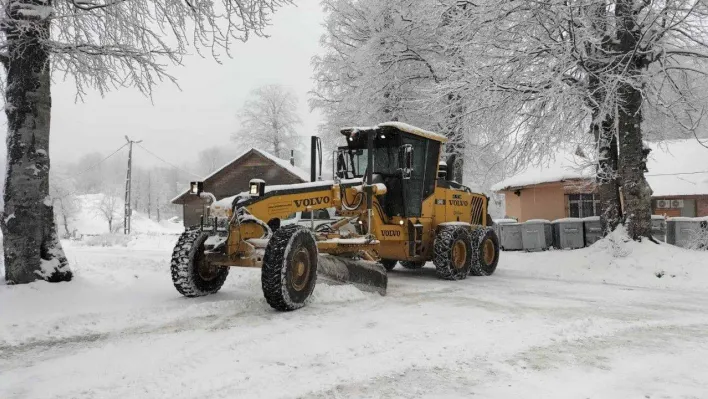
x: 680, y: 173
x: 94, y: 165
x: 168, y: 163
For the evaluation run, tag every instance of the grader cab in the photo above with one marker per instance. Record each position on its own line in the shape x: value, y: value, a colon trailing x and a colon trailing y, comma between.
x: 394, y: 203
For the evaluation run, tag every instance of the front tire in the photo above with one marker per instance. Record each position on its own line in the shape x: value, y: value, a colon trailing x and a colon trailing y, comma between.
x: 289, y: 271
x: 453, y: 252
x: 192, y: 275
x: 485, y: 257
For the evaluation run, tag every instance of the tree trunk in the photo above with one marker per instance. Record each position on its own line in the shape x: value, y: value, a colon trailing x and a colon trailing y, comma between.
x: 632, y: 161
x: 632, y: 153
x: 455, y: 163
x: 603, y: 122
x: 607, y: 173
x: 31, y: 245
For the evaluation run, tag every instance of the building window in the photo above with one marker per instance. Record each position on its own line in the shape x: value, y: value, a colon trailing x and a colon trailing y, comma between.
x: 582, y: 205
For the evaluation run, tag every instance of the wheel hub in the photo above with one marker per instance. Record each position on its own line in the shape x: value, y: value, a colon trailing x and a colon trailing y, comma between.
x: 488, y: 250
x: 205, y: 269
x: 459, y: 254
x: 300, y: 271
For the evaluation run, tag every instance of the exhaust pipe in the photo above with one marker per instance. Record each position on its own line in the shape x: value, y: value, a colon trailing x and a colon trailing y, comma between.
x: 315, y: 156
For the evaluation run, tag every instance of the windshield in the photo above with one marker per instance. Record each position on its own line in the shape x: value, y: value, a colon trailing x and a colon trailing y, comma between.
x: 354, y: 160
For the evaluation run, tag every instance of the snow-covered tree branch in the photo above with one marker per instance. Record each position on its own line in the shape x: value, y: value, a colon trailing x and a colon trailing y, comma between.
x: 511, y: 81
x: 100, y: 44
x: 269, y: 119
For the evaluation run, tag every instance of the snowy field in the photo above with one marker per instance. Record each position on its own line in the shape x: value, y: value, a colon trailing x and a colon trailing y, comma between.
x: 592, y: 323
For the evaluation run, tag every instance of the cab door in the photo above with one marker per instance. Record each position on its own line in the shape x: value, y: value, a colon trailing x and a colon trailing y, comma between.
x: 417, y: 189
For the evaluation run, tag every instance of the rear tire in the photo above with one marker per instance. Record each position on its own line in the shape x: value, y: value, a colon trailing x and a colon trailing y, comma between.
x: 485, y: 252
x: 191, y: 273
x: 412, y: 265
x: 453, y: 252
x: 289, y: 271
x: 388, y: 264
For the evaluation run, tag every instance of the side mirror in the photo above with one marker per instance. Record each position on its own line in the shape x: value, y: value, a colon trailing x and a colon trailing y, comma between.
x: 442, y: 170
x: 341, y: 166
x: 405, y: 160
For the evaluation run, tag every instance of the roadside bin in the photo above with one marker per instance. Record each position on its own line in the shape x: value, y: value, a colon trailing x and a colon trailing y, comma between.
x: 687, y: 232
x: 568, y: 233
x: 498, y: 222
x: 511, y: 237
x: 593, y: 230
x: 658, y: 227
x: 536, y: 235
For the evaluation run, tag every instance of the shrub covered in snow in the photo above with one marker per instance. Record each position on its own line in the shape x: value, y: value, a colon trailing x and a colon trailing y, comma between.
x: 107, y: 240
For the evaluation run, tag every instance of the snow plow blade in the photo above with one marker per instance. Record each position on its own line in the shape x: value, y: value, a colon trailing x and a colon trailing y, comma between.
x: 365, y: 275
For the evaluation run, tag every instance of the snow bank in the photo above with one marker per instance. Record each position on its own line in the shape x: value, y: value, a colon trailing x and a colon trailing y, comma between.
x: 90, y: 220
x: 134, y: 241
x: 616, y: 259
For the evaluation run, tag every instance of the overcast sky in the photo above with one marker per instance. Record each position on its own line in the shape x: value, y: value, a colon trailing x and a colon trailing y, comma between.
x: 180, y: 123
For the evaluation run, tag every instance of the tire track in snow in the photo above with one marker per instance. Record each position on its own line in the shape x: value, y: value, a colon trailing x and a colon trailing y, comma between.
x: 255, y: 312
x: 223, y: 316
x: 459, y: 376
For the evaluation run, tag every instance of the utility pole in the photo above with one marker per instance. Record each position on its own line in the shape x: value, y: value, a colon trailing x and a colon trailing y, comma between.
x: 128, y: 186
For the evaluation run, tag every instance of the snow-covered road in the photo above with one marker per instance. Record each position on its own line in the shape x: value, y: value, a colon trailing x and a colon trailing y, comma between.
x: 120, y: 330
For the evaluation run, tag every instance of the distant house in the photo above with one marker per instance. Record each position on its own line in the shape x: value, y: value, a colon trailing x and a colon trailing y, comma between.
x: 678, y: 176
x: 233, y: 179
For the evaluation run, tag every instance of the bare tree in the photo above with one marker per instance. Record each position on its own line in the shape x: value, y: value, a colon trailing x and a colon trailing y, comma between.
x: 109, y: 207
x: 102, y: 44
x: 269, y: 120
x: 212, y: 158
x: 149, y: 196
x: 63, y: 196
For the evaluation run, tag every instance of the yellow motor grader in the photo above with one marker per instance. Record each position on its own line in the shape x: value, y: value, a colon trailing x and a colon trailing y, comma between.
x: 394, y: 201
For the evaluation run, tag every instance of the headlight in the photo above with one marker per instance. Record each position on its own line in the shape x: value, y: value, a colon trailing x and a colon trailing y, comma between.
x: 256, y: 187
x: 196, y: 187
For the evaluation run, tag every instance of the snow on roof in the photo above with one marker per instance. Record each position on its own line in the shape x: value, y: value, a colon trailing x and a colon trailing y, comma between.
x: 303, y: 175
x: 403, y: 127
x: 676, y: 168
x: 414, y: 130
x: 565, y: 166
